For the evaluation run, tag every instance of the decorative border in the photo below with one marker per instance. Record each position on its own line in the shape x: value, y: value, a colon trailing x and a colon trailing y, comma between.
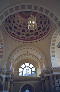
x: 28, y: 7
x: 52, y: 47
x: 28, y: 52
x: 27, y: 83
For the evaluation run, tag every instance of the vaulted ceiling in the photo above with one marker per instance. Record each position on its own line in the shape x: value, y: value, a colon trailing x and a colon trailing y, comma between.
x: 14, y: 16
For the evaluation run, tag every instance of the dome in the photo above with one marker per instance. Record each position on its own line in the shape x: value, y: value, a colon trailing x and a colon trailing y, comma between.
x: 17, y: 25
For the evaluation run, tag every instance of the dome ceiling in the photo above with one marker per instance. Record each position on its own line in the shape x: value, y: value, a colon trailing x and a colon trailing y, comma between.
x: 17, y: 26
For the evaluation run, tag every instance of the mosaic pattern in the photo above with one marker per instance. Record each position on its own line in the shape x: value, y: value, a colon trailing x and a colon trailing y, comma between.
x: 17, y: 26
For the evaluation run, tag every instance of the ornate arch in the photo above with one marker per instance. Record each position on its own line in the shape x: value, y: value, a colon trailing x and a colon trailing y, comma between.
x: 27, y: 53
x: 53, y: 47
x: 29, y: 86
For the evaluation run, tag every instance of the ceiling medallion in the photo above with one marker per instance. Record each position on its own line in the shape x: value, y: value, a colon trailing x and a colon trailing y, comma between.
x: 28, y: 26
x: 32, y: 25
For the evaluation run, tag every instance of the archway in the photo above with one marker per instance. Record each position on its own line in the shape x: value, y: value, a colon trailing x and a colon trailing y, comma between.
x: 27, y: 54
x: 27, y: 88
x: 55, y: 50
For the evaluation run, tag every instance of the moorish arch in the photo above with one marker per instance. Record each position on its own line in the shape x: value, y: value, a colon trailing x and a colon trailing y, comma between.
x: 27, y: 54
x: 27, y: 86
x: 55, y: 50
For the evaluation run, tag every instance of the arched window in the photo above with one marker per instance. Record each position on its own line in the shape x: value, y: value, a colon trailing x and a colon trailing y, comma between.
x: 27, y: 69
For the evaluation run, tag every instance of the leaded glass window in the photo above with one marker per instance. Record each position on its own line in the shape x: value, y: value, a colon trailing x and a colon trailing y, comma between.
x: 27, y: 90
x: 27, y: 69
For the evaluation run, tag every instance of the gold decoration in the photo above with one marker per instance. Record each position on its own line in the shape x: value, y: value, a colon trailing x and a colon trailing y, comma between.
x: 32, y: 25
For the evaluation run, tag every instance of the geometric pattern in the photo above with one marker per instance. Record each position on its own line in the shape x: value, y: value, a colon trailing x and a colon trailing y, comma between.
x: 53, y: 48
x: 27, y: 69
x: 17, y: 26
x: 27, y: 53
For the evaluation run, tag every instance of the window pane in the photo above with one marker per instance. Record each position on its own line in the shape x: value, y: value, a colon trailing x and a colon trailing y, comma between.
x: 23, y: 66
x: 27, y: 64
x: 27, y: 71
x: 33, y: 69
x: 27, y: 90
x: 20, y: 69
x: 31, y: 66
x: 20, y: 74
x: 33, y: 74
